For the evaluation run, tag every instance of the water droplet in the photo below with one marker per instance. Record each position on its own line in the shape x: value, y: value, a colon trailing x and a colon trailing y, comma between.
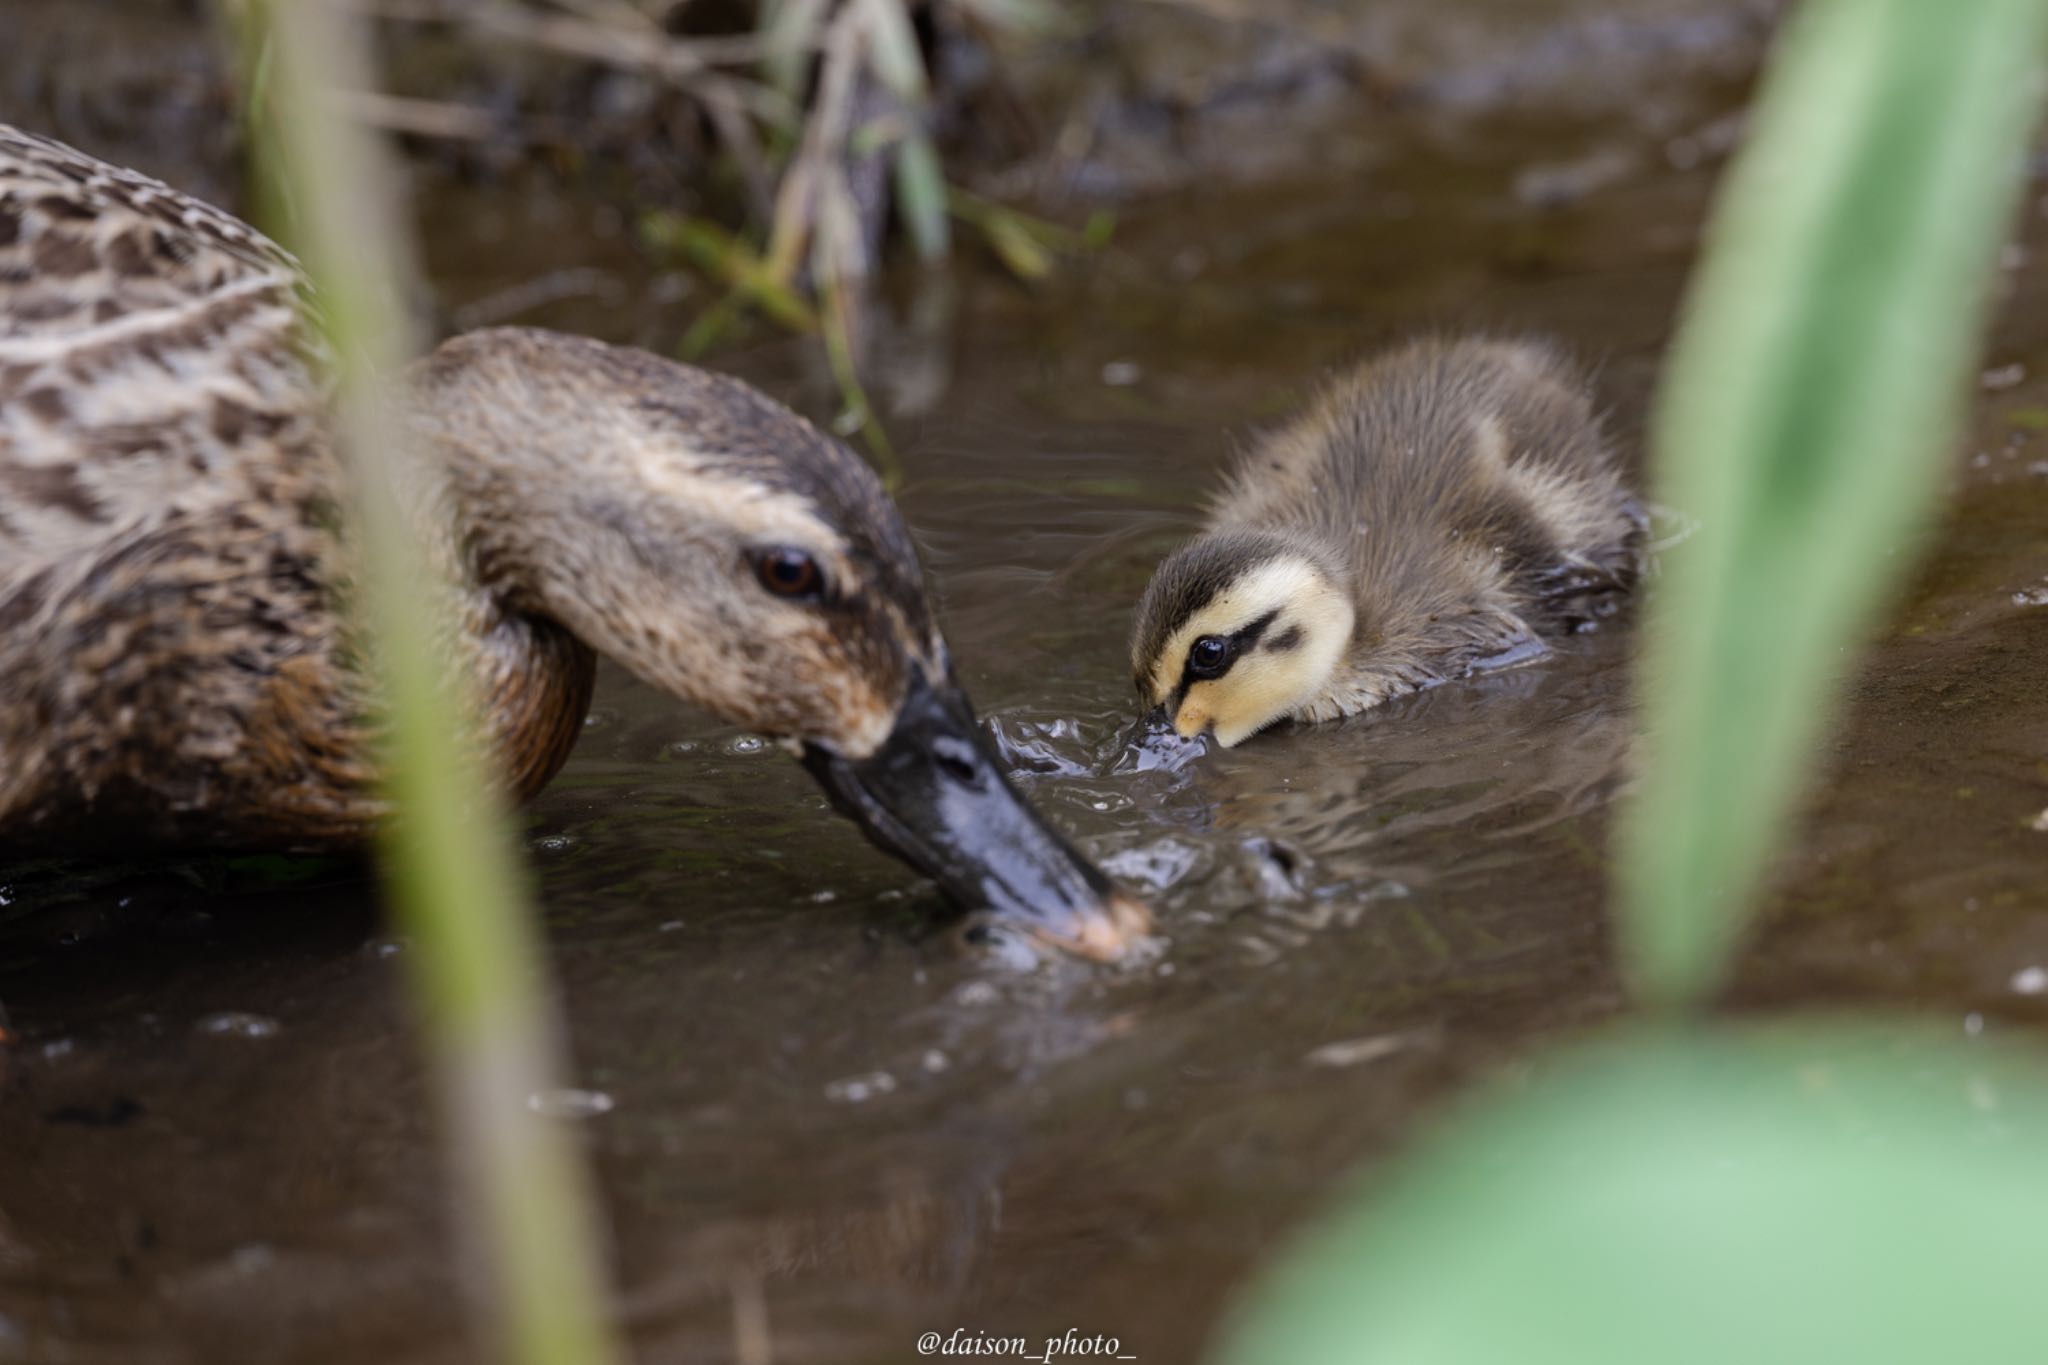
x: 569, y: 1103
x: 2030, y: 981
x: 236, y: 1024
x: 860, y: 1089
x: 1121, y: 374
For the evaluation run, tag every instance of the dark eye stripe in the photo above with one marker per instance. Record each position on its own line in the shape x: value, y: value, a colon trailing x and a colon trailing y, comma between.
x: 1242, y: 643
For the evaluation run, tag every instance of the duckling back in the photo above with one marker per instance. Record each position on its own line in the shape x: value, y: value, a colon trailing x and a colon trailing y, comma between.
x: 1455, y: 476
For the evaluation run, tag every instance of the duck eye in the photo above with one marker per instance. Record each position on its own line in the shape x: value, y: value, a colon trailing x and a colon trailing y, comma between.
x: 789, y: 573
x: 1209, y: 656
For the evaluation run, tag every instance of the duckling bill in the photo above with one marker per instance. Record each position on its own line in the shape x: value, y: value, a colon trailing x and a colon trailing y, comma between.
x: 173, y: 665
x: 1440, y: 511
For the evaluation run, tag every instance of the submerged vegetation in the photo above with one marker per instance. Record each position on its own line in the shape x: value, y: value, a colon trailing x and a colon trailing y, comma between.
x: 1692, y: 1192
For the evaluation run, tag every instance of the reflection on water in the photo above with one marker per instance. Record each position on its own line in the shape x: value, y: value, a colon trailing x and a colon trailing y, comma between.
x: 837, y: 1123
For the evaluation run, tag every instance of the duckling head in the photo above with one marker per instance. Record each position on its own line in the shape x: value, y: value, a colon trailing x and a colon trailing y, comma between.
x: 1239, y: 629
x: 725, y: 551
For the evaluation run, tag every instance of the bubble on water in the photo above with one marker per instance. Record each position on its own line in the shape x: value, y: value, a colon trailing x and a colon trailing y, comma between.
x: 2039, y: 824
x: 237, y: 1024
x: 860, y: 1089
x: 977, y: 994
x: 2031, y: 597
x: 679, y: 748
x: 669, y: 926
x: 1973, y: 1024
x: 251, y: 1259
x: 569, y: 1103
x: 1154, y: 866
x: 59, y: 1048
x: 2002, y: 377
x: 825, y: 897
x: 1351, y: 1052
x: 747, y: 745
x: 1121, y: 374
x: 2030, y: 981
x: 388, y: 947
x: 936, y: 1061
x: 554, y: 843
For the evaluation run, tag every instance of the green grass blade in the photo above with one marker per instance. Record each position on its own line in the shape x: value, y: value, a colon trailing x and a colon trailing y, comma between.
x: 453, y: 874
x: 1805, y: 419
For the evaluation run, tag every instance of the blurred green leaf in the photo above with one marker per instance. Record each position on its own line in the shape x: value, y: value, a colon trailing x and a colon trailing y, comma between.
x: 1788, y: 1195
x: 1099, y: 228
x: 892, y: 50
x: 921, y: 196
x: 790, y: 31
x: 1023, y: 16
x: 1805, y: 421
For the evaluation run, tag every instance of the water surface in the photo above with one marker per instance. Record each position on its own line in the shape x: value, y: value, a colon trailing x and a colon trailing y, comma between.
x: 217, y: 1141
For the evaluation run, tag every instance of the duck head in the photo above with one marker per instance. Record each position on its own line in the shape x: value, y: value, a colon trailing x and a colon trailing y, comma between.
x: 1237, y: 630
x: 724, y: 550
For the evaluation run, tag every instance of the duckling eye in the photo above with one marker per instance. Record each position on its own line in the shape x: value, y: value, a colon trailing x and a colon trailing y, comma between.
x: 789, y: 573
x: 1210, y: 656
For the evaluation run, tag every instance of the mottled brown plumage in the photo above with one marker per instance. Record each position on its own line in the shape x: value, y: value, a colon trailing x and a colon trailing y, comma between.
x: 175, y: 655
x: 1437, y: 511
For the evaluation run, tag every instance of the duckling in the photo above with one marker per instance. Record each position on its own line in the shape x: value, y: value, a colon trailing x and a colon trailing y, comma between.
x: 1436, y: 513
x: 174, y: 665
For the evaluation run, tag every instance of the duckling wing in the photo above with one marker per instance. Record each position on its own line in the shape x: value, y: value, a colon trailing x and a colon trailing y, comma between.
x: 152, y: 360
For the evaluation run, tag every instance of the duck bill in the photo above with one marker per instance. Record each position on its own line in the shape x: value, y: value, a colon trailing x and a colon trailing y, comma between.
x: 935, y: 795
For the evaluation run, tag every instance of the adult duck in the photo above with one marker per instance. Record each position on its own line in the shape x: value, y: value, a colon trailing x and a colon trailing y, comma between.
x: 174, y: 667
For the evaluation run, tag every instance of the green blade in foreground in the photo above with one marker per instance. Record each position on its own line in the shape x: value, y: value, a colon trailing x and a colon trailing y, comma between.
x: 1786, y: 1195
x: 1804, y: 422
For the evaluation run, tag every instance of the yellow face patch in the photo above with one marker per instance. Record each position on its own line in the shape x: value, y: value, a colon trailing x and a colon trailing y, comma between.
x: 1291, y: 661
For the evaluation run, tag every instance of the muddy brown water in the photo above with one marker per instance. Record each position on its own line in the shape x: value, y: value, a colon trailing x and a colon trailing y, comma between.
x: 215, y: 1139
